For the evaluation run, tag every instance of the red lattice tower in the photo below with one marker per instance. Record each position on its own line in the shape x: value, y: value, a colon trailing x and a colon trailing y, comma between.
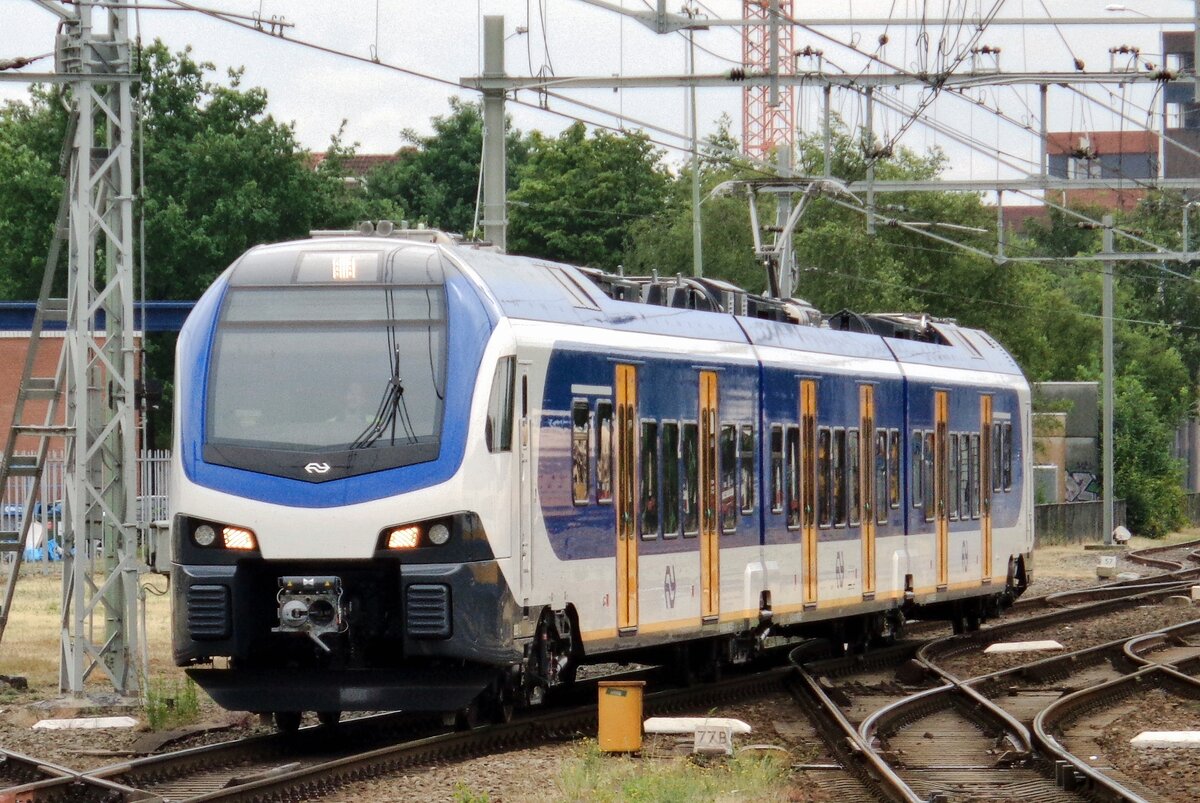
x: 764, y: 127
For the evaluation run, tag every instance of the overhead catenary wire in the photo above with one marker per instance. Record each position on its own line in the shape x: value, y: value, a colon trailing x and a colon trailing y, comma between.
x: 426, y: 76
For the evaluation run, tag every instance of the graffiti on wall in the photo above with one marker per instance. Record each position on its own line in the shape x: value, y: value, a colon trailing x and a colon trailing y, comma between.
x: 1082, y: 486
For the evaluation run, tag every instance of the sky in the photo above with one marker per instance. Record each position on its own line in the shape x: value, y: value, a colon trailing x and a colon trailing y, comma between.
x: 317, y: 91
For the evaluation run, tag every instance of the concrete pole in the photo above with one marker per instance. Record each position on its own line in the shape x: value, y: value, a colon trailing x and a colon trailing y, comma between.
x: 495, y: 217
x: 828, y: 123
x: 1107, y: 316
x: 784, y: 160
x: 697, y: 238
x: 869, y: 134
x: 1195, y: 53
x: 1045, y: 135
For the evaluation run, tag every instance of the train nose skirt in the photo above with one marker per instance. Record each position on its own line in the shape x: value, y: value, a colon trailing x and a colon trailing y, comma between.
x: 407, y: 689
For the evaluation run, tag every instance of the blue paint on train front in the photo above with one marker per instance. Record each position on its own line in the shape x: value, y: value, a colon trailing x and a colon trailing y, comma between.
x: 470, y: 323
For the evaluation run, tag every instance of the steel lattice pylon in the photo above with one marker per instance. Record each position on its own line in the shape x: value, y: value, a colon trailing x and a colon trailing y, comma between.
x: 100, y: 600
x: 768, y: 113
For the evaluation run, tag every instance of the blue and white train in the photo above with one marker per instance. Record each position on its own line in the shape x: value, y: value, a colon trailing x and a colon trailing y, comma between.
x: 415, y: 473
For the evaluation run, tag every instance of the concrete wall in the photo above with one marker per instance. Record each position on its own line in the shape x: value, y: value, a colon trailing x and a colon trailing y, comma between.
x: 1073, y: 522
x: 1083, y: 522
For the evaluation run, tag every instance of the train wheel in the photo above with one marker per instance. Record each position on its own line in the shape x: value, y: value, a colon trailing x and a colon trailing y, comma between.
x: 287, y: 721
x: 499, y: 706
x: 466, y: 718
x: 973, y: 618
x: 683, y: 669
x: 329, y: 718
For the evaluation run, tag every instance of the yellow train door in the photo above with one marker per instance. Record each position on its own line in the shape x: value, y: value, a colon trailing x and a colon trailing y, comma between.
x: 710, y: 553
x: 985, y: 484
x: 941, y: 469
x: 626, y: 501
x: 866, y: 445
x: 808, y: 482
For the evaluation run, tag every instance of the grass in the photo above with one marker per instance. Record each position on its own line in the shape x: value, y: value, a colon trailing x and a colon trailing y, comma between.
x: 1072, y: 561
x: 595, y: 776
x: 171, y: 705
x: 31, y: 638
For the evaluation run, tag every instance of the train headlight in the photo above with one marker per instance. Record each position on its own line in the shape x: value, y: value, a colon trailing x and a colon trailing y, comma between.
x: 439, y: 534
x: 404, y: 537
x: 204, y: 535
x: 238, y: 538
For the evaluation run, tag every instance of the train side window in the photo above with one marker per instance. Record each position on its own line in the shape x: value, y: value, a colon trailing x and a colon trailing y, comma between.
x: 581, y: 438
x: 649, y: 480
x: 1007, y: 456
x: 917, y: 472
x: 952, y: 480
x: 997, y: 478
x: 837, y: 470
x: 927, y: 465
x: 604, y: 442
x: 776, y: 468
x: 964, y: 476
x: 728, y: 474
x: 746, y: 461
x: 498, y: 430
x: 975, y: 471
x: 881, y: 476
x: 853, y: 477
x: 670, y: 482
x: 793, y: 478
x: 690, y: 450
x: 824, y: 479
x: 894, y: 468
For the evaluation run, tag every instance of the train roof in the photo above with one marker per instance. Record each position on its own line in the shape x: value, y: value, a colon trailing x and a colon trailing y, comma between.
x: 541, y: 290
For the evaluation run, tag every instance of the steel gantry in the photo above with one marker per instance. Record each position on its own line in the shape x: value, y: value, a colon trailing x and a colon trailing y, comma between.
x: 92, y: 395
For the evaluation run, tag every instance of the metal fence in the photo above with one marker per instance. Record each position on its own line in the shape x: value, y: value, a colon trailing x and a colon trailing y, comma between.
x: 153, y: 470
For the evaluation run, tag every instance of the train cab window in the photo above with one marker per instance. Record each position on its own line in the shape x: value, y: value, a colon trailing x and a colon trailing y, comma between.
x: 894, y: 468
x: 953, y: 477
x: 604, y: 443
x: 581, y: 438
x: 793, y: 478
x: 824, y: 478
x: 837, y: 470
x: 997, y: 478
x: 498, y: 430
x: 649, y: 480
x: 973, y: 490
x: 1007, y: 455
x: 746, y: 463
x: 690, y: 479
x: 776, y: 468
x: 881, y: 476
x: 853, y: 477
x: 728, y: 474
x: 670, y: 481
x: 928, y: 461
x: 917, y: 473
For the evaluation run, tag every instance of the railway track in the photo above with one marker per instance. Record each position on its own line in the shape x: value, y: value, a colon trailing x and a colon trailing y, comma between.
x: 885, y: 719
x: 919, y: 733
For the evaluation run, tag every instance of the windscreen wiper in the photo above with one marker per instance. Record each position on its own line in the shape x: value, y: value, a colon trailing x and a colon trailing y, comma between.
x: 392, y: 408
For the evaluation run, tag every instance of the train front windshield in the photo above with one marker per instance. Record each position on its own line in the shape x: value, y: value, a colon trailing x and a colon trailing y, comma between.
x: 330, y: 369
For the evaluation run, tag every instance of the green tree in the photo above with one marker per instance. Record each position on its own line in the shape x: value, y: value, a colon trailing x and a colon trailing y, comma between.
x: 31, y: 136
x: 436, y: 177
x: 1147, y: 477
x: 221, y: 175
x: 663, y: 242
x: 579, y: 196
